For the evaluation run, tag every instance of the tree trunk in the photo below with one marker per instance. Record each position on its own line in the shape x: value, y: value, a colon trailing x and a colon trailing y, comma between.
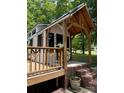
x: 89, y: 48
x: 83, y: 44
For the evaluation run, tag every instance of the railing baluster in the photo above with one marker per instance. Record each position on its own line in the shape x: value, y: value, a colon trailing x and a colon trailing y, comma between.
x: 46, y: 63
x: 35, y: 59
x: 61, y: 58
x: 43, y: 63
x: 52, y: 59
x: 58, y: 57
x: 39, y: 58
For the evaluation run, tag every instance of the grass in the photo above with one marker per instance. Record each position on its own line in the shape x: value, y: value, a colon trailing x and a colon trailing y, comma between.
x: 84, y: 58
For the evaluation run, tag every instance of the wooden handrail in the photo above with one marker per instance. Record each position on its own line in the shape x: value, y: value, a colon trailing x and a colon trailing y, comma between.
x: 37, y: 47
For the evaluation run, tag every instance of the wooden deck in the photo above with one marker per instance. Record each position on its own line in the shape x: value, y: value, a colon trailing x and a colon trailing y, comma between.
x: 43, y: 64
x: 41, y: 73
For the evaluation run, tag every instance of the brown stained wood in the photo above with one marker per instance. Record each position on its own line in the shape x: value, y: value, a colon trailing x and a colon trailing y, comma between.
x: 56, y: 58
x: 43, y: 58
x: 46, y: 61
x: 59, y: 57
x: 34, y: 73
x: 82, y: 19
x: 35, y: 59
x: 30, y: 66
x: 39, y: 58
x: 65, y: 52
x: 77, y: 18
x: 82, y: 27
x: 35, y: 47
x: 33, y: 67
x: 87, y: 17
x: 50, y: 52
x: 30, y: 62
x: 69, y: 26
x: 78, y: 26
x: 41, y: 78
x: 85, y: 24
x: 89, y: 49
x: 52, y: 55
x: 65, y: 44
x: 34, y: 62
x: 85, y: 30
x: 71, y: 30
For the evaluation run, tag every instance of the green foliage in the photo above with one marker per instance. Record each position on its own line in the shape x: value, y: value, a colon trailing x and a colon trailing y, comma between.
x: 46, y: 11
x: 84, y: 58
x: 39, y: 12
x: 79, y: 42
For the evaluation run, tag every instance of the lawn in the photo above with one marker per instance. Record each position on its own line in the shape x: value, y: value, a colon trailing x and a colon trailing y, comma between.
x: 84, y: 58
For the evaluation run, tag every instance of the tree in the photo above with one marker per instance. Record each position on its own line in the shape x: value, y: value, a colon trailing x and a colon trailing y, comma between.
x: 40, y: 12
x: 75, y: 42
x: 83, y: 42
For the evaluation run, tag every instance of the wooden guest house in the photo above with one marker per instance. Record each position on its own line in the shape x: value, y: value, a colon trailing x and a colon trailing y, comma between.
x: 50, y: 45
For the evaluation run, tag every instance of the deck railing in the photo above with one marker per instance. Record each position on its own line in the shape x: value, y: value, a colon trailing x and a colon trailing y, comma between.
x: 43, y: 59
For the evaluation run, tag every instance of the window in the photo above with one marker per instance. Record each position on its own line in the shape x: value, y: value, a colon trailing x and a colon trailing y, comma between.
x: 31, y: 42
x: 40, y: 40
x: 51, y: 39
x: 59, y: 38
x: 33, y: 32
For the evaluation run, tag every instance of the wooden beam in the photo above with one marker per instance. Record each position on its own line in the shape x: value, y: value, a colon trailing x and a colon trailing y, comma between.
x: 44, y: 77
x: 77, y: 25
x: 65, y: 50
x: 87, y: 17
x: 82, y: 27
x: 65, y: 43
x: 69, y: 26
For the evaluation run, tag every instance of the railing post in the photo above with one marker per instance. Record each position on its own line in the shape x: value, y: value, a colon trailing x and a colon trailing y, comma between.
x: 30, y: 61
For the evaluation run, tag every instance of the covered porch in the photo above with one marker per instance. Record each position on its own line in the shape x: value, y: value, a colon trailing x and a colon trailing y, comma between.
x: 46, y: 63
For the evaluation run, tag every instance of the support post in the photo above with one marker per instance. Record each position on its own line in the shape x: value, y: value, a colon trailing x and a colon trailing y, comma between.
x: 65, y: 51
x: 89, y: 48
x: 70, y: 48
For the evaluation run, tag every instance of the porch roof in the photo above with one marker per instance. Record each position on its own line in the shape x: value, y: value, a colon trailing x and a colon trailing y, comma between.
x: 77, y: 20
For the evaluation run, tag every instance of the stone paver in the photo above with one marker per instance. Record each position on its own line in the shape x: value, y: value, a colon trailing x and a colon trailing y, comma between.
x: 83, y: 90
x: 61, y: 90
